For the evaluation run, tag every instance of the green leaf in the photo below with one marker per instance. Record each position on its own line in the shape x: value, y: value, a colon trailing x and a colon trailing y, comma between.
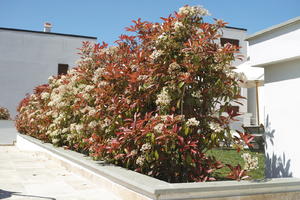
x: 152, y: 138
x: 213, y: 136
x: 181, y: 84
x: 186, y: 130
x: 188, y: 159
x: 178, y: 104
x: 173, y: 146
x: 127, y: 163
x: 156, y: 155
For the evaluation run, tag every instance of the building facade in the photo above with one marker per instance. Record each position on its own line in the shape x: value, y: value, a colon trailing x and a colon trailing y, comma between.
x: 237, y: 36
x: 277, y: 50
x: 28, y: 58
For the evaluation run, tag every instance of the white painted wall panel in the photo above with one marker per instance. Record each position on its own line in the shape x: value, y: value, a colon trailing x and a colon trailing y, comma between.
x: 280, y: 44
x: 282, y: 97
x: 27, y: 59
x: 238, y: 35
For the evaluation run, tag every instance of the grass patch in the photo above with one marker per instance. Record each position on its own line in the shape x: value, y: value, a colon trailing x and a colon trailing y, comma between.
x: 232, y: 157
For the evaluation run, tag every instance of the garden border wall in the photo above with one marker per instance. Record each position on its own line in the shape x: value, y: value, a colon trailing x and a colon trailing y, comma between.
x: 130, y: 185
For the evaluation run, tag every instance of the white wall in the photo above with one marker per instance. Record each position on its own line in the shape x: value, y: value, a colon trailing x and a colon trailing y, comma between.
x: 282, y: 95
x: 278, y: 50
x: 252, y: 107
x: 279, y: 44
x: 27, y: 59
x: 238, y: 35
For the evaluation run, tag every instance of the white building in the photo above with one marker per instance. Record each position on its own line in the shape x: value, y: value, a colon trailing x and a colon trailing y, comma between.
x: 28, y: 58
x: 252, y: 111
x: 237, y: 36
x: 277, y: 50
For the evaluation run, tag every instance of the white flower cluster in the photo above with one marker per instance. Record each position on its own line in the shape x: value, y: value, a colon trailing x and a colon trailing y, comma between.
x: 250, y: 162
x: 133, y: 152
x: 156, y: 54
x: 162, y: 37
x: 197, y: 94
x: 66, y: 92
x: 163, y: 99
x: 105, y: 123
x: 142, y: 77
x: 145, y: 147
x: 193, y: 11
x: 65, y: 130
x: 192, y: 122
x: 93, y: 124
x: 159, y: 127
x: 102, y: 83
x: 64, y: 89
x: 55, y: 140
x: 79, y: 128
x: 140, y: 160
x: 178, y: 25
x: 76, y: 128
x: 172, y: 117
x: 166, y: 117
x: 215, y: 127
x: 97, y: 74
x: 133, y: 67
x: 110, y: 50
x: 227, y: 69
x: 83, y: 61
x: 45, y: 95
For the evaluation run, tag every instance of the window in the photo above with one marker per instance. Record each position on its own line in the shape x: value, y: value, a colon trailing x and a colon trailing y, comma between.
x: 231, y: 41
x: 62, y: 69
x: 234, y: 110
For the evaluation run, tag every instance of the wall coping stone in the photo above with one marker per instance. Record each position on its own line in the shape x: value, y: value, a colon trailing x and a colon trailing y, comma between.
x: 157, y: 189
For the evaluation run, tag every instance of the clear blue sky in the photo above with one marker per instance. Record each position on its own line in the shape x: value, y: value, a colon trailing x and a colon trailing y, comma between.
x: 106, y: 19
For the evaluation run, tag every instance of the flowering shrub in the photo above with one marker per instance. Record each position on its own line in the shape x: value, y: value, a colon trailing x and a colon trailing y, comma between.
x: 4, y: 114
x: 251, y: 162
x: 32, y: 119
x: 161, y: 97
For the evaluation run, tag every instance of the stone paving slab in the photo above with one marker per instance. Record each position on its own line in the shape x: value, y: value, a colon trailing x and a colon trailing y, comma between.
x: 28, y: 176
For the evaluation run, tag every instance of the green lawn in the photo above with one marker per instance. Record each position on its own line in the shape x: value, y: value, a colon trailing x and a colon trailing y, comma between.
x: 232, y: 157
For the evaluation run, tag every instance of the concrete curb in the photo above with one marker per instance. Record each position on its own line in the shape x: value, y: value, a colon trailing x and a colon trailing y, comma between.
x: 127, y: 184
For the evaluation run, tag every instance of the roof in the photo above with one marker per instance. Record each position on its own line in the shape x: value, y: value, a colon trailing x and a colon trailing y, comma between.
x: 274, y: 28
x: 81, y: 36
x: 48, y: 33
x: 251, y: 75
x: 237, y: 28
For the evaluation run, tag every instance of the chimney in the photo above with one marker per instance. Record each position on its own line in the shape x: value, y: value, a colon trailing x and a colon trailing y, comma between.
x: 47, y: 27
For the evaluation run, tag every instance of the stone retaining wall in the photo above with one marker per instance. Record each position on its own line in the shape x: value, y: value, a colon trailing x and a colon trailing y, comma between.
x: 129, y: 185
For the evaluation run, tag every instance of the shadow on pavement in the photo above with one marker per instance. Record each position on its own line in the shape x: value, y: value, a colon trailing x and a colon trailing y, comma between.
x: 7, y: 194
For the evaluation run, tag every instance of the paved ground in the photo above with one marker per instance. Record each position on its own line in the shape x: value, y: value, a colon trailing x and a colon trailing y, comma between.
x: 7, y: 132
x: 26, y: 176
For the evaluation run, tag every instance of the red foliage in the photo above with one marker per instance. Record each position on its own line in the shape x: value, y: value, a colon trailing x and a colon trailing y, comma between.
x: 161, y: 97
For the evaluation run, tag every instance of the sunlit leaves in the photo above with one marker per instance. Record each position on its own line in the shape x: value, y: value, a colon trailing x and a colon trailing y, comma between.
x: 154, y: 103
